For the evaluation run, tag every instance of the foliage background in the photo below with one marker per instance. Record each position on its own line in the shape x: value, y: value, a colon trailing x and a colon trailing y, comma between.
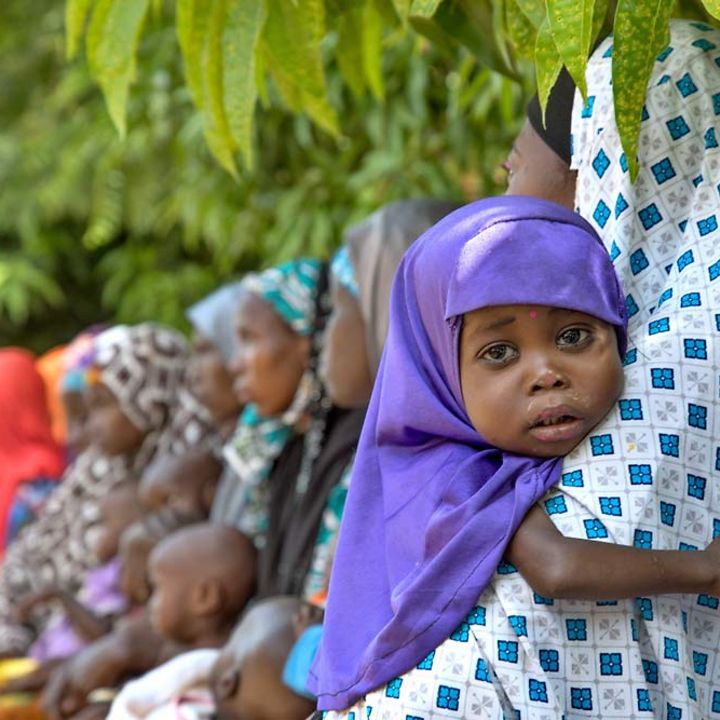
x: 94, y: 227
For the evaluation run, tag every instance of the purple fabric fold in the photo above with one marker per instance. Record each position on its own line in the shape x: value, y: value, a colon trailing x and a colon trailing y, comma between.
x: 432, y: 506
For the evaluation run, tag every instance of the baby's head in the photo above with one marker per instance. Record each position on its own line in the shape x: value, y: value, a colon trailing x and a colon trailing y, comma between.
x: 247, y: 678
x: 202, y: 577
x: 119, y: 509
x: 510, y: 313
x: 185, y: 483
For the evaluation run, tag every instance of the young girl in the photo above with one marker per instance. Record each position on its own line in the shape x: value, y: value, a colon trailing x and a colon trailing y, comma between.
x: 507, y: 329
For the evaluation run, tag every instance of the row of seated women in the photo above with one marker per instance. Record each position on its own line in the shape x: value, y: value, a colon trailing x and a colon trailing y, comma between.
x: 190, y: 546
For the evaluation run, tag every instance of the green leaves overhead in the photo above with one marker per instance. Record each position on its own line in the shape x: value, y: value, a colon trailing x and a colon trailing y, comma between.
x: 641, y: 33
x: 571, y: 26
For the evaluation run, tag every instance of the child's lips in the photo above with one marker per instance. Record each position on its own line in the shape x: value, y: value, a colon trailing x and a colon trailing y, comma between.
x: 558, y: 424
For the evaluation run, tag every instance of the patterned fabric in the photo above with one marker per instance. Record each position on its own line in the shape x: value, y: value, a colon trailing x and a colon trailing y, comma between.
x: 318, y: 578
x: 646, y: 475
x: 343, y: 272
x: 28, y: 502
x: 56, y: 548
x: 291, y: 290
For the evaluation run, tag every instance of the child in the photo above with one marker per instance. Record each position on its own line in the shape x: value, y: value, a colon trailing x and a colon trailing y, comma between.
x: 202, y: 577
x: 89, y: 615
x: 504, y: 350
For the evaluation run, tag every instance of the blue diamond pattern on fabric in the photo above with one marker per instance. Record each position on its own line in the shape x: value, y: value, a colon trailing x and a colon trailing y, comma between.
x: 461, y: 632
x: 710, y: 139
x: 663, y: 56
x: 686, y: 547
x: 650, y: 216
x: 716, y: 701
x: 601, y: 163
x: 716, y: 521
x: 630, y: 357
x: 594, y: 529
x: 608, y: 52
x: 549, y: 660
x: 555, y: 505
x: 659, y: 326
x: 708, y: 601
x: 481, y: 671
x: 686, y: 86
x: 643, y: 538
x: 714, y: 270
x: 601, y: 214
x: 519, y: 624
x: 697, y: 180
x: 587, y: 110
x: 677, y: 127
x: 663, y: 171
x: 507, y: 651
x: 716, y: 103
x: 643, y: 700
x: 662, y: 378
x: 697, y: 416
x: 506, y: 568
x: 427, y: 662
x: 667, y: 513
x: 611, y: 506
x: 670, y: 650
x: 700, y: 660
x: 696, y: 486
x: 581, y: 698
x: 540, y: 600
x: 621, y: 204
x: 576, y: 629
x: 614, y: 249
x: 665, y: 296
x: 673, y: 713
x: 537, y: 690
x: 692, y: 691
x: 690, y: 300
x: 623, y: 163
x: 640, y: 474
x: 631, y: 306
x: 572, y: 479
x: 685, y: 259
x: 695, y: 348
x: 602, y: 444
x: 670, y: 444
x: 650, y: 670
x: 631, y: 409
x: 645, y: 607
x: 448, y: 697
x: 708, y: 225
x: 392, y: 689
x: 704, y: 44
x: 611, y: 664
x: 476, y: 616
x: 638, y: 262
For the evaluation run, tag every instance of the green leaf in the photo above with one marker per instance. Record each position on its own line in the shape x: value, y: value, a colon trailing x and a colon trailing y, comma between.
x: 349, y: 53
x: 402, y: 8
x: 372, y: 48
x: 112, y: 42
x: 424, y: 8
x: 641, y: 31
x: 534, y: 10
x: 571, y: 23
x: 547, y: 63
x: 292, y: 36
x: 521, y: 31
x: 192, y: 27
x: 76, y: 15
x: 241, y: 34
x: 216, y: 126
x: 713, y: 7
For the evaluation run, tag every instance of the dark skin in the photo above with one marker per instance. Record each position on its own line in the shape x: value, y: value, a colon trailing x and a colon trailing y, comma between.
x: 344, y: 365
x: 76, y: 416
x: 109, y: 429
x: 552, y: 375
x: 271, y: 360
x: 247, y: 679
x: 534, y: 169
x: 212, y: 384
x: 204, y: 575
x: 178, y: 490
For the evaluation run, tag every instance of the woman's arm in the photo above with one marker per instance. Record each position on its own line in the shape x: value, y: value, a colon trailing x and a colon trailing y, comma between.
x: 556, y: 566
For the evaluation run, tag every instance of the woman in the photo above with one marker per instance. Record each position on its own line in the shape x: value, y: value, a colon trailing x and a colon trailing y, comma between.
x: 31, y: 459
x: 643, y: 476
x: 138, y: 407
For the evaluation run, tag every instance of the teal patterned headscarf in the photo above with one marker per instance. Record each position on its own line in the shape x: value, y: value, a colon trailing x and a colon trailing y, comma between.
x: 291, y: 289
x: 343, y: 271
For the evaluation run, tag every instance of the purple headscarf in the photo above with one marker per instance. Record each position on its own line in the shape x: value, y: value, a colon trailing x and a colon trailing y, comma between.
x: 432, y: 506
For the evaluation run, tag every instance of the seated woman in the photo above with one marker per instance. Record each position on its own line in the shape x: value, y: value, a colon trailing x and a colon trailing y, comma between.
x: 136, y: 409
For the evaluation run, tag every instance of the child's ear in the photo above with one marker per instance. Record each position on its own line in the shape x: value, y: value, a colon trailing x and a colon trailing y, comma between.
x: 207, y: 597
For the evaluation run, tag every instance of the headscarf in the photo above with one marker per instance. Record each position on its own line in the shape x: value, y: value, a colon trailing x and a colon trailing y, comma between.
x: 292, y: 291
x: 143, y: 366
x: 27, y: 448
x: 376, y: 246
x: 214, y: 318
x: 647, y: 474
x: 432, y: 505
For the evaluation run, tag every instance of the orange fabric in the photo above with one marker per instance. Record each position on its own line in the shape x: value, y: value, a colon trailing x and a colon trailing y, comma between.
x: 51, y: 367
x: 27, y: 447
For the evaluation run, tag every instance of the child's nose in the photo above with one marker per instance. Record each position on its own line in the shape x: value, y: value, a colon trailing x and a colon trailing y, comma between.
x: 545, y: 376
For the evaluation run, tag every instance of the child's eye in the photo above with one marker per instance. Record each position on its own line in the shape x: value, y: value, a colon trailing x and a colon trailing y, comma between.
x: 573, y: 337
x: 499, y: 354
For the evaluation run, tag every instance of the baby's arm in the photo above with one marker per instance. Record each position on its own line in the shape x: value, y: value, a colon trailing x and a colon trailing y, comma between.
x: 556, y: 566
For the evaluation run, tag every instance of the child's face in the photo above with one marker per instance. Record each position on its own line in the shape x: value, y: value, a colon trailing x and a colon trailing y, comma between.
x: 118, y: 510
x: 109, y: 429
x: 535, y: 380
x: 167, y: 603
x: 77, y: 416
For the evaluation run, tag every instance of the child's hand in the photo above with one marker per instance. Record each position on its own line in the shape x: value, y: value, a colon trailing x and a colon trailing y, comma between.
x: 29, y: 602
